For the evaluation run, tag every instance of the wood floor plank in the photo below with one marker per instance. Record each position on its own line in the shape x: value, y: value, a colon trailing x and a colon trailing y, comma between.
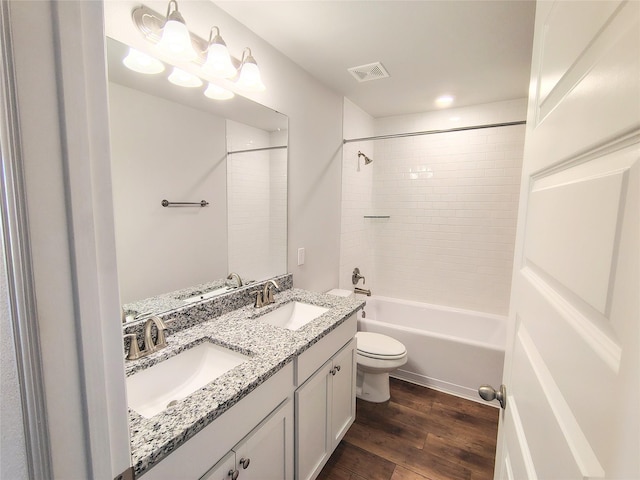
x: 401, y: 473
x: 419, y: 434
x: 473, y: 457
x: 411, y: 395
x: 408, y: 425
x: 376, y: 442
x: 358, y: 462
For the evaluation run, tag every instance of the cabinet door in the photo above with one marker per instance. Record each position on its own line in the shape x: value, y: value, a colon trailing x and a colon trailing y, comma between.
x: 343, y: 406
x: 223, y: 470
x: 267, y: 452
x: 313, y: 414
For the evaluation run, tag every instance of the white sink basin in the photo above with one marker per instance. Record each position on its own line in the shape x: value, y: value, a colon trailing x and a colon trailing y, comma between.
x: 205, y: 296
x: 293, y: 315
x: 150, y: 391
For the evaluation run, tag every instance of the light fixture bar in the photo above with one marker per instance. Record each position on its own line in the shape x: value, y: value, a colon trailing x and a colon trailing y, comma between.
x: 150, y: 24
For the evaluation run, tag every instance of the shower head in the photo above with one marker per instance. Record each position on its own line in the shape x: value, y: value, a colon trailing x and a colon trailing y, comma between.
x: 367, y: 160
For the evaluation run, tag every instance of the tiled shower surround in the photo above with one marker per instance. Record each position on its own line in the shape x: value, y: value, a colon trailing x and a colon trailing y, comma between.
x: 452, y: 201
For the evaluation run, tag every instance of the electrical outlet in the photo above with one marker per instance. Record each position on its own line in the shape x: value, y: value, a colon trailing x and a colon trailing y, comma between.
x: 301, y: 256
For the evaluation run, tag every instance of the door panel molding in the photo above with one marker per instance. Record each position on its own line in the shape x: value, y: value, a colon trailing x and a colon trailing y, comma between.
x: 594, y: 331
x: 584, y: 455
x: 519, y: 461
x: 577, y: 64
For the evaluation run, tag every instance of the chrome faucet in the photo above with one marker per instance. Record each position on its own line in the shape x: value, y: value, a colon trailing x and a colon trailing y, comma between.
x: 265, y: 296
x: 161, y: 341
x: 149, y: 347
x: 234, y: 275
x: 267, y: 293
x: 362, y: 291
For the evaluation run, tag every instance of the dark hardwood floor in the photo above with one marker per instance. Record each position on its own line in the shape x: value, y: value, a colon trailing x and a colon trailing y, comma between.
x: 418, y: 434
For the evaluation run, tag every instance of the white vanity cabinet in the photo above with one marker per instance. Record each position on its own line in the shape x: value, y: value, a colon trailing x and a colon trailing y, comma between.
x: 325, y: 407
x: 286, y: 428
x: 265, y: 454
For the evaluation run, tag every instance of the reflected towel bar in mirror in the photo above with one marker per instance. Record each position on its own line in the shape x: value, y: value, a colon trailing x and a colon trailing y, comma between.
x: 167, y: 203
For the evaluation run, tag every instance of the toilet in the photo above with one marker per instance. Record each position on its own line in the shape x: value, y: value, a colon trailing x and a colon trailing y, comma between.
x: 377, y: 355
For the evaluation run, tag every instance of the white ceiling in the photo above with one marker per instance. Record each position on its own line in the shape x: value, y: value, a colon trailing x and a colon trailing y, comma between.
x: 477, y: 51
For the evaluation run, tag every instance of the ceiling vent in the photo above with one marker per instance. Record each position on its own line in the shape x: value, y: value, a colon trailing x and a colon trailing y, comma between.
x: 372, y: 71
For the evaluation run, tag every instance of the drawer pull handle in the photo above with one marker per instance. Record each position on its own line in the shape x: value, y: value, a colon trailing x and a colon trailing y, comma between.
x: 234, y: 474
x: 244, y: 462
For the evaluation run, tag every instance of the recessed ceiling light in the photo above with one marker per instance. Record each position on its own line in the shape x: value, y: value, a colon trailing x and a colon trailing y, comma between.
x: 184, y: 79
x: 444, y: 101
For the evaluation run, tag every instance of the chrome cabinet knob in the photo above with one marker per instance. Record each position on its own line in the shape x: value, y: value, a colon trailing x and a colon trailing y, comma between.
x: 488, y: 393
x: 234, y: 474
x: 244, y: 462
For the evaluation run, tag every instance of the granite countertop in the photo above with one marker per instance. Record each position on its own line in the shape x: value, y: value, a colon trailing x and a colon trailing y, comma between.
x: 270, y: 348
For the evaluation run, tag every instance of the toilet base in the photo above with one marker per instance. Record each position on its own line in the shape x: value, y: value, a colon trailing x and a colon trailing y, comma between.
x: 372, y: 387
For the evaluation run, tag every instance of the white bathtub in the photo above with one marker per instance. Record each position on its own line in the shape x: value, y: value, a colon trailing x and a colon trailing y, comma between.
x: 451, y: 350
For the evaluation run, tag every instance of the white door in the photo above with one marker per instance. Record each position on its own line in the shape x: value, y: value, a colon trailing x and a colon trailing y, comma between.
x: 572, y: 369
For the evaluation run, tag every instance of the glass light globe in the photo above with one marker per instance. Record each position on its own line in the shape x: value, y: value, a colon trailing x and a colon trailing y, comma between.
x: 250, y: 78
x: 142, y: 63
x: 216, y: 92
x: 176, y: 41
x: 184, y: 79
x: 218, y: 62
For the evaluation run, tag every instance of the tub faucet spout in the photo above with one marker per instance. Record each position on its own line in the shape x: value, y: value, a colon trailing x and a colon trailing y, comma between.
x: 362, y: 291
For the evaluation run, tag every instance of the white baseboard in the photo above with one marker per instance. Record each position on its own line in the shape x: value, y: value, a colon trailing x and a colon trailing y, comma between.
x: 441, y: 386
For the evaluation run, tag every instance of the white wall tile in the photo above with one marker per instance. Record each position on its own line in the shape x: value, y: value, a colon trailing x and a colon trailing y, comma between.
x: 452, y: 199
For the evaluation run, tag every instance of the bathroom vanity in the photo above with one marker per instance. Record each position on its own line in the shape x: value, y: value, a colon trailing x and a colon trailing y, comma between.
x: 277, y: 414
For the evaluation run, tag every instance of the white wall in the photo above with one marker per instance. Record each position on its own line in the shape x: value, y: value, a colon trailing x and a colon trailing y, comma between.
x: 155, y: 157
x: 315, y: 134
x: 452, y: 201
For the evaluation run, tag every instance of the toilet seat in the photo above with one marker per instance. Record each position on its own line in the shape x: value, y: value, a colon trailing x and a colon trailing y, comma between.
x: 381, y: 347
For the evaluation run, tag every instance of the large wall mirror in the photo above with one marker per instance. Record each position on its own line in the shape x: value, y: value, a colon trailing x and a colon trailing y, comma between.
x: 173, y: 143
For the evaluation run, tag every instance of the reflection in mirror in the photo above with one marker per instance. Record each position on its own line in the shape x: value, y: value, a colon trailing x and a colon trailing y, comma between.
x: 257, y: 200
x: 171, y: 143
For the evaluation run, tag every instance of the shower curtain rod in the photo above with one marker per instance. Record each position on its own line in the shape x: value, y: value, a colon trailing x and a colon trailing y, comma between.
x: 257, y: 149
x: 433, y: 132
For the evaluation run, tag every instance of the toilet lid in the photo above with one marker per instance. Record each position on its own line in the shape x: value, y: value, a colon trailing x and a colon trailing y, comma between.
x: 375, y: 345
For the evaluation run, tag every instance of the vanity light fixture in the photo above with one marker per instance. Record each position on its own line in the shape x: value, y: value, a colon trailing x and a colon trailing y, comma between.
x: 142, y: 63
x: 176, y: 39
x: 218, y: 63
x: 216, y: 92
x: 184, y: 79
x: 249, y: 73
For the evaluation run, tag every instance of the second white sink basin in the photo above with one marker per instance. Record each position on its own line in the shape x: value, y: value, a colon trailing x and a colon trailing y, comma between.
x: 293, y: 315
x: 152, y: 390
